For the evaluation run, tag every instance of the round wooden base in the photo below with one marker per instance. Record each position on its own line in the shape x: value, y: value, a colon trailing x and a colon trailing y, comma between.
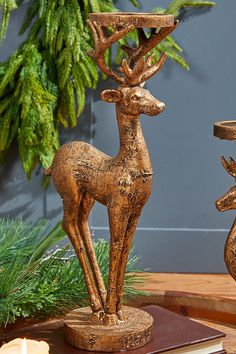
x: 81, y: 332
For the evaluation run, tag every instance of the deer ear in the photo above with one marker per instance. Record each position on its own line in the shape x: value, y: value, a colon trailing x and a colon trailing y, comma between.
x: 111, y: 96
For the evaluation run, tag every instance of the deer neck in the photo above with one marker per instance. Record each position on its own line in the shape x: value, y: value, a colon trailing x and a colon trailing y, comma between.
x: 133, y: 150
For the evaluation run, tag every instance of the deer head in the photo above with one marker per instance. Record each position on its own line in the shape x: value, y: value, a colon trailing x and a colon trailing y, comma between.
x: 134, y: 101
x: 228, y: 200
x: 131, y: 97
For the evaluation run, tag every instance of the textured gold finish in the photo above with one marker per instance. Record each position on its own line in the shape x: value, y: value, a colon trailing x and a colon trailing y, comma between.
x: 227, y: 130
x: 139, y: 20
x: 81, y: 332
x: 228, y: 202
x: 83, y: 175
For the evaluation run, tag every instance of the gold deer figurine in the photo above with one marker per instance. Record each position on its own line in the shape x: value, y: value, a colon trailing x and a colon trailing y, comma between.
x: 228, y: 202
x: 82, y: 174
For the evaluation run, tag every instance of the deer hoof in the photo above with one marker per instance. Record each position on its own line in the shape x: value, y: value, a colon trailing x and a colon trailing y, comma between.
x: 110, y: 320
x: 121, y: 316
x: 97, y: 316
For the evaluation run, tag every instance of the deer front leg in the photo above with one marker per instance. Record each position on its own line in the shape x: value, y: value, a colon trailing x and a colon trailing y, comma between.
x: 70, y: 226
x: 118, y: 220
x: 132, y: 223
x: 85, y: 207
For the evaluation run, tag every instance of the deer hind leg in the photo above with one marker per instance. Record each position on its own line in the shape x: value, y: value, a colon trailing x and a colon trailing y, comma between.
x: 130, y: 231
x: 85, y: 207
x: 71, y: 205
x: 118, y: 220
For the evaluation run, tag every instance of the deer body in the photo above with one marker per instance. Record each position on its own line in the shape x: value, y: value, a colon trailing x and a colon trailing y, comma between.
x: 103, y: 177
x: 123, y: 183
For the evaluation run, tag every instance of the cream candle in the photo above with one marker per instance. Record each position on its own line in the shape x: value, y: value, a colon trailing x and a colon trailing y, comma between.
x: 25, y: 346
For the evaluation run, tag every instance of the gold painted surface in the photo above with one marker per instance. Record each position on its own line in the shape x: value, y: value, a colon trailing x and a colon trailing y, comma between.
x: 139, y: 20
x: 228, y: 202
x: 227, y: 130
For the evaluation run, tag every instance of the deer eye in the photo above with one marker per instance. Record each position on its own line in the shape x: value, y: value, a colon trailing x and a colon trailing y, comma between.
x: 135, y: 97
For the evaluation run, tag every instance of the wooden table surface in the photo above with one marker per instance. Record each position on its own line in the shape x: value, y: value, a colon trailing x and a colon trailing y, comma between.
x: 222, y: 285
x: 207, y: 298
x: 199, y: 296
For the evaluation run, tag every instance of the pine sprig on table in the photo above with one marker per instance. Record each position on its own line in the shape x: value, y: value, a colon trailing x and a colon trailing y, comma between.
x: 38, y: 283
x: 43, y: 83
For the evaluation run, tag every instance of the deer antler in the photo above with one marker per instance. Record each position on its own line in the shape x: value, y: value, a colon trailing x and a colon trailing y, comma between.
x: 229, y: 166
x: 142, y: 70
x: 146, y: 44
x: 136, y: 69
x: 101, y: 43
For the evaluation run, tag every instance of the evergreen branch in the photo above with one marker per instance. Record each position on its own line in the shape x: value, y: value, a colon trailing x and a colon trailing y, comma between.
x: 80, y: 92
x: 64, y: 67
x: 7, y: 7
x: 50, y: 240
x: 14, y: 112
x: 170, y: 41
x: 135, y: 3
x: 37, y: 282
x: 176, y: 6
x: 12, y: 67
x: 71, y: 103
x: 86, y: 8
x: 5, y: 129
x: 159, y: 10
x: 95, y: 5
x: 173, y: 55
x: 42, y: 8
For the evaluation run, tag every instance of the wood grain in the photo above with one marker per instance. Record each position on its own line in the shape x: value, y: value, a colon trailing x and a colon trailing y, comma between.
x: 219, y: 285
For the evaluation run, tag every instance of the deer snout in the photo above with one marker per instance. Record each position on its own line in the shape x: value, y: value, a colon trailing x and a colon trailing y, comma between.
x: 161, y: 106
x: 218, y: 204
x: 156, y: 108
x: 223, y: 204
x: 227, y: 201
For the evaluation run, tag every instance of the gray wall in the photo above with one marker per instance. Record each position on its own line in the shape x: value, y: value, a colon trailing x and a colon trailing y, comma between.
x: 180, y: 229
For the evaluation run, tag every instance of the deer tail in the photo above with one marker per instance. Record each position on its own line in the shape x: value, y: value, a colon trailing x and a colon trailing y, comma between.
x: 48, y: 171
